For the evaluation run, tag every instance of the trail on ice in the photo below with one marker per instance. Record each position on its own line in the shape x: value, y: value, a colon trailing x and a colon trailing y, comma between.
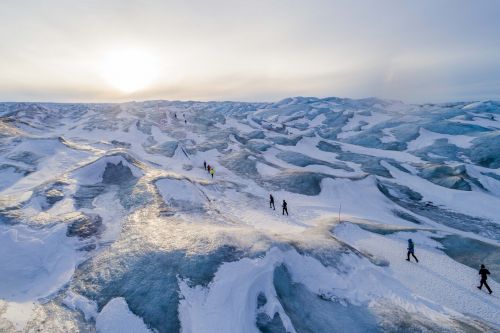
x: 435, y: 277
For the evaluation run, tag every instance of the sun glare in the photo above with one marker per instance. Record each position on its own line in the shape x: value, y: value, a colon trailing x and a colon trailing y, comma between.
x: 129, y: 70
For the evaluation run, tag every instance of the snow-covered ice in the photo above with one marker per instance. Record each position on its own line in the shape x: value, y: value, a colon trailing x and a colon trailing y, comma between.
x: 116, y: 317
x: 109, y: 222
x: 35, y: 263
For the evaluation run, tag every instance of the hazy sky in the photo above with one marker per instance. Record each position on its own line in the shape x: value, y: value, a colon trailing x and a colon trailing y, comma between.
x: 261, y: 50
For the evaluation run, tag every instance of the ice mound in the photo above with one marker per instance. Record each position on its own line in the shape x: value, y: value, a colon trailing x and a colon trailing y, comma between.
x: 109, y: 169
x: 35, y: 262
x: 412, y: 201
x: 241, y: 163
x: 84, y: 225
x: 302, y: 160
x: 450, y: 177
x: 181, y: 194
x: 308, y: 183
x: 116, y: 317
x: 152, y: 276
x: 321, y: 315
x: 166, y: 148
x: 485, y: 151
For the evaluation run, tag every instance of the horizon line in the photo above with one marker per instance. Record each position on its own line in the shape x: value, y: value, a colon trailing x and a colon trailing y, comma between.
x: 249, y: 102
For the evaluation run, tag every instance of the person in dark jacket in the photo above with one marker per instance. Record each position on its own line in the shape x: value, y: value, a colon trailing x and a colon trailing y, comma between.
x: 484, y: 276
x: 411, y: 250
x: 205, y: 164
x: 271, y: 202
x: 285, y: 210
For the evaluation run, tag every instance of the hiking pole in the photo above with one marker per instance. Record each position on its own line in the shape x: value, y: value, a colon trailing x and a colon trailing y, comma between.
x: 340, y: 207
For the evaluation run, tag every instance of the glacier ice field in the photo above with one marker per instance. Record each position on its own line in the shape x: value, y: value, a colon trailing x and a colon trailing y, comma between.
x: 110, y: 223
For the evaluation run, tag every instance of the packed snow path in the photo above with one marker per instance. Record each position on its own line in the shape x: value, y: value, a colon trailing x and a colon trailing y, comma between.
x: 436, y: 276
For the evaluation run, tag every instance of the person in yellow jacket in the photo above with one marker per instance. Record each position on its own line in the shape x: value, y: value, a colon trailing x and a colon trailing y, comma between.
x: 212, y: 171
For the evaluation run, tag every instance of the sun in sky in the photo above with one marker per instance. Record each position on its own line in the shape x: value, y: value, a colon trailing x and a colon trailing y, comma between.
x: 129, y: 69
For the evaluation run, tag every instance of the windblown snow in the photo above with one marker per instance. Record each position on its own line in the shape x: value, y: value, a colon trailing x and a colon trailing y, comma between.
x: 110, y: 223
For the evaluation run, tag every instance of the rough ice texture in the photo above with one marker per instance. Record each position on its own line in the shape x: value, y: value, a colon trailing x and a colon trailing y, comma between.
x: 109, y: 222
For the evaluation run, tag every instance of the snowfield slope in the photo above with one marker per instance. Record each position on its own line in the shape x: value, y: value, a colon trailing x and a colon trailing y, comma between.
x: 109, y: 222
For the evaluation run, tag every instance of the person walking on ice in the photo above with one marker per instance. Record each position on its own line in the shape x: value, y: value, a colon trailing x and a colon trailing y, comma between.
x: 271, y: 202
x: 285, y: 210
x: 411, y: 250
x: 212, y: 171
x: 484, y: 276
x: 205, y: 164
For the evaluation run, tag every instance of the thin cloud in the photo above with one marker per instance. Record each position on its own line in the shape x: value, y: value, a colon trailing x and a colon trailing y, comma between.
x: 260, y: 50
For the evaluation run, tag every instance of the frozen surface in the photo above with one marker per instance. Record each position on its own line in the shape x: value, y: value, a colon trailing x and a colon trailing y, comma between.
x: 34, y: 263
x: 436, y: 277
x: 109, y: 222
x: 178, y: 192
x: 116, y: 317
